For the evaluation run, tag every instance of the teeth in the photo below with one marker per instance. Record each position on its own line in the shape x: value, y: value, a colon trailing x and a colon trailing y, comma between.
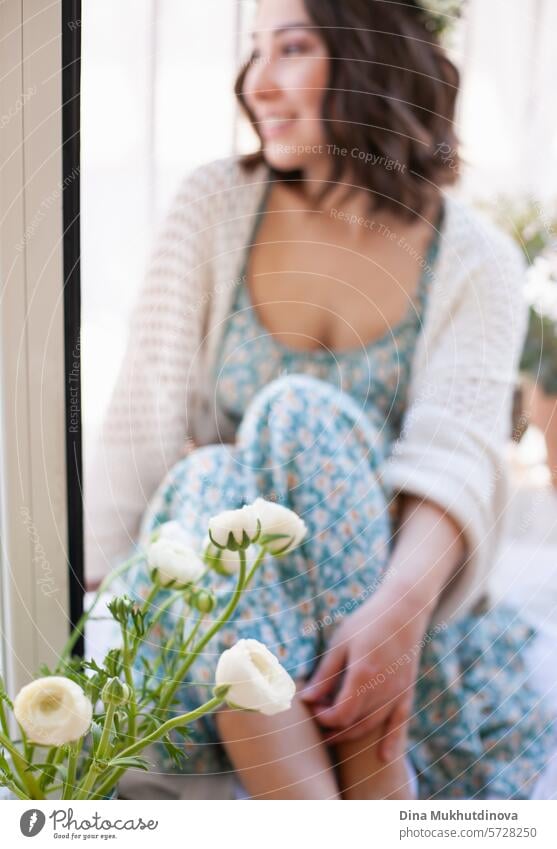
x: 276, y: 120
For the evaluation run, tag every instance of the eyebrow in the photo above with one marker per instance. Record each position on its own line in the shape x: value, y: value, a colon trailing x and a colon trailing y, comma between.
x: 285, y: 28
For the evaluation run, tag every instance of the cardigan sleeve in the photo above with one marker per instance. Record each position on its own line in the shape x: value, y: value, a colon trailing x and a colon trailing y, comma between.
x: 145, y: 426
x: 452, y: 445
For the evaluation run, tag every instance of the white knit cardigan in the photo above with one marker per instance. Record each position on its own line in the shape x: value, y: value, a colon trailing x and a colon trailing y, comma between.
x: 452, y: 446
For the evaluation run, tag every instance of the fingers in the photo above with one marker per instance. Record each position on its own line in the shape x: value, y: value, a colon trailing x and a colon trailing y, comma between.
x: 347, y: 705
x: 360, y: 729
x: 324, y: 678
x: 393, y: 743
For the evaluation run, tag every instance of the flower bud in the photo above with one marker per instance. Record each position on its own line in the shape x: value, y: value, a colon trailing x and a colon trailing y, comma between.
x: 120, y: 608
x: 282, y: 530
x: 221, y: 560
x: 174, y: 564
x: 204, y: 601
x: 255, y: 679
x: 235, y: 529
x: 115, y: 693
x: 113, y: 662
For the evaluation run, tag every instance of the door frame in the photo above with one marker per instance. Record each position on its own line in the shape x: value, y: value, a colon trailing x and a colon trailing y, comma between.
x: 40, y: 390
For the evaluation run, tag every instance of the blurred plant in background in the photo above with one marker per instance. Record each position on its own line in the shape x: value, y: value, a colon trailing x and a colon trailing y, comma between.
x: 533, y: 226
x: 539, y: 359
x: 442, y: 15
x: 534, y: 229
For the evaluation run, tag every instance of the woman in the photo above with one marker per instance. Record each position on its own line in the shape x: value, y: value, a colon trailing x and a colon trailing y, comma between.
x: 352, y: 332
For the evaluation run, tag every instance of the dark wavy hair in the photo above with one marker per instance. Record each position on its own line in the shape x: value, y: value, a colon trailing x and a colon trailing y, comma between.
x: 391, y: 94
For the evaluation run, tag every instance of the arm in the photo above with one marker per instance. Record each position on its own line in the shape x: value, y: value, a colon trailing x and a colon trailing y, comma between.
x: 429, y: 552
x: 145, y: 425
x: 387, y: 632
x: 452, y: 449
x: 449, y: 470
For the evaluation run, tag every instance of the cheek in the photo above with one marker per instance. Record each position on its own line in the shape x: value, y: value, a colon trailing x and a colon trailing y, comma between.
x: 306, y: 84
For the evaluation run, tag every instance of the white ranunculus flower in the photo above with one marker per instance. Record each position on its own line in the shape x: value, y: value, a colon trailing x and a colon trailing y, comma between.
x: 256, y: 679
x: 234, y: 529
x: 174, y: 531
x: 53, y: 711
x: 222, y: 559
x: 278, y: 520
x: 173, y: 560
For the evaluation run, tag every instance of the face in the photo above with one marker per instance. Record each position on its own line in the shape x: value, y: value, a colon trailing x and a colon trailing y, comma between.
x: 285, y: 85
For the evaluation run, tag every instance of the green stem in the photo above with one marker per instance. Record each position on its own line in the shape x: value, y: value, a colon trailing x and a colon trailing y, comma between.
x: 3, y: 720
x: 15, y: 787
x: 229, y: 610
x: 89, y: 780
x: 28, y: 748
x: 255, y: 566
x: 20, y: 764
x: 70, y: 782
x: 165, y: 728
x: 155, y: 589
x: 127, y: 661
x: 7, y: 777
x: 78, y: 630
x: 162, y: 609
x: 53, y: 757
x: 168, y: 689
x: 136, y: 642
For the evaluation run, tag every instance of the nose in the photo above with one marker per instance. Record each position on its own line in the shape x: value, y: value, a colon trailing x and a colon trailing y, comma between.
x: 261, y: 83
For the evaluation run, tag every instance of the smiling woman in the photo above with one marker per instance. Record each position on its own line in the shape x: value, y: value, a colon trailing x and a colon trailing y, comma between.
x: 363, y: 376
x: 382, y: 101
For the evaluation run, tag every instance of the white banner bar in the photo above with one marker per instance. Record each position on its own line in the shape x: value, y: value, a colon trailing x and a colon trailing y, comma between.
x: 324, y: 824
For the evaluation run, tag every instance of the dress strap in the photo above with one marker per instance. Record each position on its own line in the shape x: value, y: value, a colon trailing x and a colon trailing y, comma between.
x: 256, y: 225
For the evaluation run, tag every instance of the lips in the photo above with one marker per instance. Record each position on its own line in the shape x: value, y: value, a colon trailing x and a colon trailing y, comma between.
x: 274, y: 126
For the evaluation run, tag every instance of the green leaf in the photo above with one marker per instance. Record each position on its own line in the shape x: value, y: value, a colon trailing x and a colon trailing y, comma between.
x: 94, y: 666
x: 138, y: 763
x: 5, y: 698
x: 96, y: 732
x: 177, y: 755
x: 183, y: 731
x: 5, y: 766
x: 49, y: 771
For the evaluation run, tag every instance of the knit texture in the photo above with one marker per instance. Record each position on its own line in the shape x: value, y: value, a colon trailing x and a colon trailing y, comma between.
x: 452, y: 445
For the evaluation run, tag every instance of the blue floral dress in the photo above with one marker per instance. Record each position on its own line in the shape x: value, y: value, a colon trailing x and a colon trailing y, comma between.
x: 313, y: 429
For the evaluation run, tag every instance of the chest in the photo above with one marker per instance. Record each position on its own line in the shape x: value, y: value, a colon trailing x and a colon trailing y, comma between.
x: 314, y: 282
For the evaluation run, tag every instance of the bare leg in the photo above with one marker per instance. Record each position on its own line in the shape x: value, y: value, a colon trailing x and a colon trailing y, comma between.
x: 362, y: 775
x: 278, y: 757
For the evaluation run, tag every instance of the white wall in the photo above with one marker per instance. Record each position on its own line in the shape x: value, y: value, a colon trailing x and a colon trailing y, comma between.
x: 508, y: 110
x: 156, y: 101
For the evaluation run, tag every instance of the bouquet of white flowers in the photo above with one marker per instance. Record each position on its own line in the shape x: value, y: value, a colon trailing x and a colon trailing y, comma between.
x: 83, y: 724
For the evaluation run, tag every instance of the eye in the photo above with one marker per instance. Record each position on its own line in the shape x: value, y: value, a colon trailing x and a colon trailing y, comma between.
x: 294, y: 48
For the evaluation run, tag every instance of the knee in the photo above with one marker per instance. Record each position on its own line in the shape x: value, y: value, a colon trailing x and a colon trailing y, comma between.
x: 290, y: 394
x: 196, y: 470
x: 299, y: 388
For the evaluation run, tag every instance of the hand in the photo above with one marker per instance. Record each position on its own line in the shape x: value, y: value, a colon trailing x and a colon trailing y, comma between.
x: 370, y: 671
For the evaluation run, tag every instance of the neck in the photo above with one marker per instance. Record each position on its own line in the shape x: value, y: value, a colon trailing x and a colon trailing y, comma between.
x: 318, y: 177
